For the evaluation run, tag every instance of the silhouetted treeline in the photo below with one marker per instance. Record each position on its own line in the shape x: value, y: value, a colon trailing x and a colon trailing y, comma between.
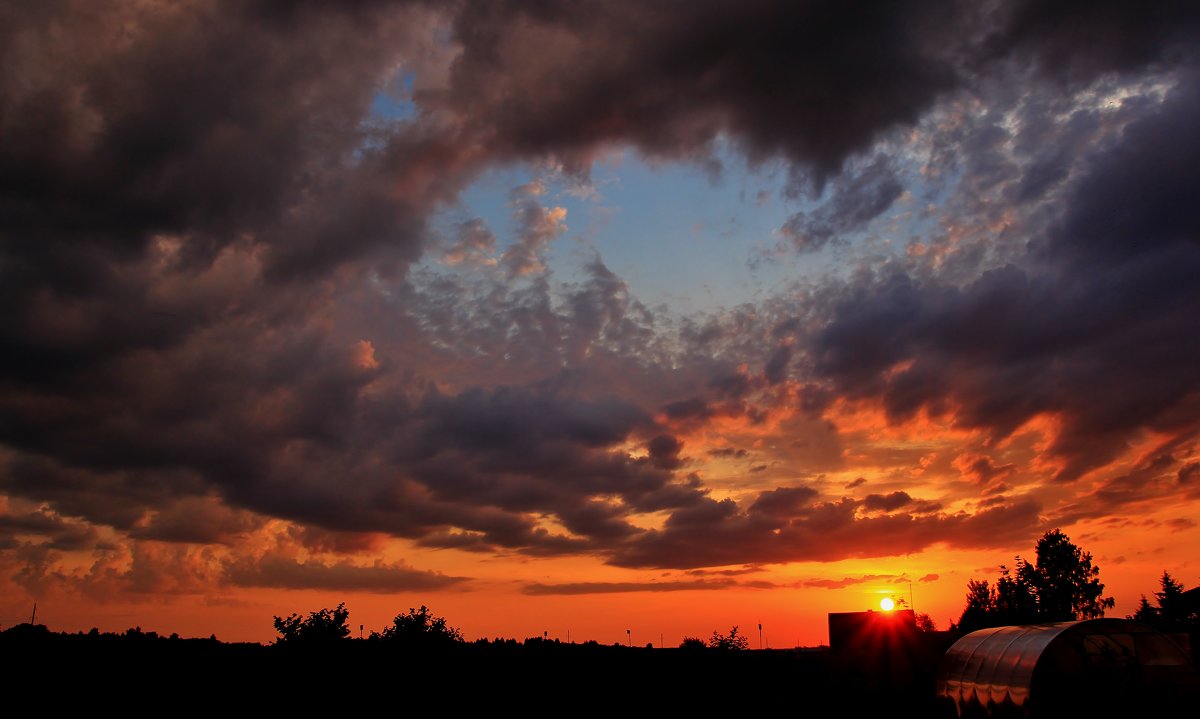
x: 27, y: 631
x: 535, y: 675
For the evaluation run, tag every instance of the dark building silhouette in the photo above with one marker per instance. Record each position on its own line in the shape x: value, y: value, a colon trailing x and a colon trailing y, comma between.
x: 857, y: 631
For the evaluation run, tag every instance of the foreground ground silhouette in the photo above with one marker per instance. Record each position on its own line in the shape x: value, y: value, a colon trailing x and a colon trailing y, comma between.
x: 143, y: 676
x: 140, y: 674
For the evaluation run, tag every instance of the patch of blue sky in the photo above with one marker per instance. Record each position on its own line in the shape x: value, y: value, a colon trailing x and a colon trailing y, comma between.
x: 681, y: 235
x: 391, y: 105
x: 676, y: 233
x: 394, y: 103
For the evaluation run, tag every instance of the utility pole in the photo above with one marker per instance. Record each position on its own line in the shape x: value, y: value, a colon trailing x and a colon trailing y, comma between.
x: 628, y: 638
x: 33, y: 617
x: 760, y: 635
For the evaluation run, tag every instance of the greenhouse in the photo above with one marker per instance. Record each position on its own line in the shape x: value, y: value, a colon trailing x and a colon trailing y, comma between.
x: 1066, y: 669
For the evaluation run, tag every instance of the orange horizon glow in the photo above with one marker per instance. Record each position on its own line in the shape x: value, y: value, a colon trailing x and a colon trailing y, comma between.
x: 792, y: 616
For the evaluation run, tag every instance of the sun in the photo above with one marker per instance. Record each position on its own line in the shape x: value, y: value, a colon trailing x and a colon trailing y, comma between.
x: 886, y: 604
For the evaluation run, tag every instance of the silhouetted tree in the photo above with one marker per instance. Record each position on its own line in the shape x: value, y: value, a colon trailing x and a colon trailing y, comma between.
x: 1145, y: 613
x: 732, y: 640
x: 1066, y: 584
x: 981, y: 606
x: 925, y: 623
x: 420, y: 626
x: 692, y: 643
x: 1016, y: 599
x: 1062, y: 585
x: 325, y: 625
x: 1173, y: 612
x: 1172, y: 607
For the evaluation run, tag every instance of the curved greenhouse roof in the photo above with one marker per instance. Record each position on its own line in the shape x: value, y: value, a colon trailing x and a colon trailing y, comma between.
x: 1045, y: 669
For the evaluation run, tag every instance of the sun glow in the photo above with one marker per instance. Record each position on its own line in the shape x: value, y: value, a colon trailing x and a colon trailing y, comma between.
x: 886, y: 604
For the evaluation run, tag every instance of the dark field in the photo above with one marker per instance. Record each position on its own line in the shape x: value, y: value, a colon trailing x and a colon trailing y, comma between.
x: 165, y: 675
x: 147, y: 675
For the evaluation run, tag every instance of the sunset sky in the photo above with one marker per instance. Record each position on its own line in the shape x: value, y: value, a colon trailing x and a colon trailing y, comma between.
x: 591, y: 316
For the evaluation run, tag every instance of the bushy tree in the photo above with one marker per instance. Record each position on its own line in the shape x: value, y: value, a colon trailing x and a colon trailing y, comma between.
x: 1064, y: 581
x: 981, y: 606
x: 692, y: 643
x: 1061, y: 586
x: 925, y: 622
x: 732, y: 640
x: 325, y: 625
x: 419, y: 626
x: 1016, y: 600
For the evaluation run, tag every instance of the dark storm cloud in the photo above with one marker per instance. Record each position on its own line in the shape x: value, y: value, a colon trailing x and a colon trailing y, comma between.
x: 155, y: 167
x: 318, y: 540
x: 1100, y: 326
x: 1150, y: 480
x: 203, y: 127
x: 776, y: 368
x: 523, y: 450
x: 1189, y: 473
x: 197, y: 520
x: 1077, y: 40
x: 844, y: 582
x: 197, y: 214
x: 116, y: 498
x: 575, y: 588
x: 205, y: 119
x: 734, y: 452
x: 857, y: 197
x: 982, y: 470
x: 691, y: 408
x: 887, y: 502
x: 286, y: 573
x: 56, y: 532
x: 755, y: 569
x: 718, y: 533
x: 510, y: 416
x: 664, y: 452
x: 812, y: 81
x: 784, y: 501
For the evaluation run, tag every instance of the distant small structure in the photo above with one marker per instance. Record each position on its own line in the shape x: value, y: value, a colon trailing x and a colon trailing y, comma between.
x: 1095, y: 667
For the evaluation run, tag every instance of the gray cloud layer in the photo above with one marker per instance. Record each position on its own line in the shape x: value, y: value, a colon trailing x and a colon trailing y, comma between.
x: 197, y: 215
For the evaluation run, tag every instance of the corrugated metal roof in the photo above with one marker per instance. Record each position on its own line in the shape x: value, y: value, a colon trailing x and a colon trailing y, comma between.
x: 996, y: 667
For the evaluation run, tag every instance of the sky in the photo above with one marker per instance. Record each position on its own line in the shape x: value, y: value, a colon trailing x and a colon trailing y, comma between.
x: 579, y: 318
